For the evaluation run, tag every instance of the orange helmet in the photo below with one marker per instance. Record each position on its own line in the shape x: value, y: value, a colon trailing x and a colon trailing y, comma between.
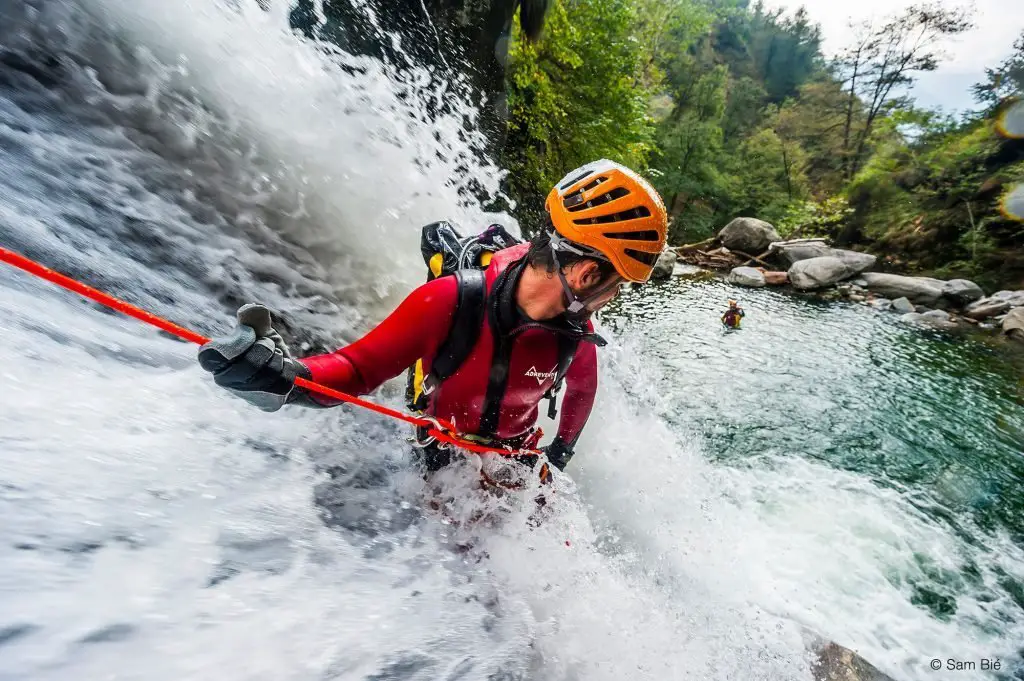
x: 612, y: 210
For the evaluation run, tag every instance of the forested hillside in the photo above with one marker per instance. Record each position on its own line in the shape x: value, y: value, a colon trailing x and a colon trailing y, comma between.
x: 734, y: 110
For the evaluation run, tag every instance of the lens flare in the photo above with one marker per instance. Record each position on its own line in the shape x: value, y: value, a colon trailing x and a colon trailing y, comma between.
x: 1012, y: 203
x: 1010, y: 122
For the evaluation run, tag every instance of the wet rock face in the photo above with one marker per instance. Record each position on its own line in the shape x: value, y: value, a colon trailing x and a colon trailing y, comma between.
x: 466, y: 38
x: 836, y: 663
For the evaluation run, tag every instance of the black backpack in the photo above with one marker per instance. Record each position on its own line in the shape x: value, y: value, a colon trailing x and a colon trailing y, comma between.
x: 446, y: 252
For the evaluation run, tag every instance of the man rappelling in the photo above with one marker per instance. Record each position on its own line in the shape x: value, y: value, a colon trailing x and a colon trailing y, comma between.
x: 489, y: 344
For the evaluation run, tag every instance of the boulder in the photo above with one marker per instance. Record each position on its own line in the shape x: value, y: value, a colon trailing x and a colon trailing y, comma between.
x: 919, y: 290
x: 962, y: 291
x: 883, y: 304
x: 776, y: 278
x: 746, y: 276
x: 835, y: 663
x: 860, y: 282
x: 930, y: 318
x: 1013, y: 323
x: 902, y: 305
x: 749, y: 235
x: 816, y: 273
x: 789, y: 253
x: 855, y: 261
x: 1014, y: 298
x: 666, y: 263
x: 937, y: 315
x: 986, y: 307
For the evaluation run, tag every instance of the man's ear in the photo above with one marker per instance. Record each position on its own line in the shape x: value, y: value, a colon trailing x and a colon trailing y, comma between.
x: 590, y: 273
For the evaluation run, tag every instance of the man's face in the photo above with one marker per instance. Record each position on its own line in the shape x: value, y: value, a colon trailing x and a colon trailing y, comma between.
x: 586, y: 280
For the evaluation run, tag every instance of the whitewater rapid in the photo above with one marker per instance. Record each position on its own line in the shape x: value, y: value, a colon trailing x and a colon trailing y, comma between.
x: 194, y: 156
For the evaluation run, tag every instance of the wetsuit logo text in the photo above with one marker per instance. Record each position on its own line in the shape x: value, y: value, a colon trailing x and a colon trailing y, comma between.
x: 541, y: 376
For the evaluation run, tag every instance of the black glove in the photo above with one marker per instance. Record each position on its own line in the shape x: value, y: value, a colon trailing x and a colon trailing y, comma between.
x: 559, y: 452
x: 253, y: 362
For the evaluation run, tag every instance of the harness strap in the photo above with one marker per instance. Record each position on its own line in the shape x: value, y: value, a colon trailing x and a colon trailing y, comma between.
x: 465, y: 329
x: 566, y: 353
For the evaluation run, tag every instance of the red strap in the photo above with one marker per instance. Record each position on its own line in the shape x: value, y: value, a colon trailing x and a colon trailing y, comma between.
x: 439, y: 429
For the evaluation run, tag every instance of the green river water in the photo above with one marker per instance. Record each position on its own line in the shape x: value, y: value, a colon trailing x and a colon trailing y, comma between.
x: 809, y: 389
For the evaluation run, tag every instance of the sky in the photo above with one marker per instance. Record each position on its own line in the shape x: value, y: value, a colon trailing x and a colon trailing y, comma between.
x: 997, y: 25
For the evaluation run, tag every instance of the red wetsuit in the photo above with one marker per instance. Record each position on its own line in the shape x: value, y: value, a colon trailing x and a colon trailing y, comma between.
x: 474, y: 398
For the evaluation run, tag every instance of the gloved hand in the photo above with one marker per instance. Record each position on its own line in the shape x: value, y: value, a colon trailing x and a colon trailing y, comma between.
x: 253, y: 362
x: 558, y: 452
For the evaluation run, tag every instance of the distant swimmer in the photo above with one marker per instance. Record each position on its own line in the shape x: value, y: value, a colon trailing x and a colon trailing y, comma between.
x: 731, y: 318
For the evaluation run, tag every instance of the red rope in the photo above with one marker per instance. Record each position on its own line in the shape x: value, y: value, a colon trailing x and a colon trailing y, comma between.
x: 446, y: 432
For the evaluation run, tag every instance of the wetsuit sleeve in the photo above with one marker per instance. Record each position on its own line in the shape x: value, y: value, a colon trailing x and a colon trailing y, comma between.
x: 416, y: 328
x: 580, y: 389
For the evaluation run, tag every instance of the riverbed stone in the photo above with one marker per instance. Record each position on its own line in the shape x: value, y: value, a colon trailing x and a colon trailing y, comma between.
x: 938, y: 315
x: 855, y: 261
x: 987, y: 307
x: 790, y: 253
x: 883, y: 304
x: 749, y: 235
x: 919, y: 290
x: 902, y: 305
x: 962, y: 291
x: 815, y: 273
x: 1014, y: 298
x: 776, y: 278
x: 685, y: 271
x: 746, y: 276
x: 932, y: 318
x: 1013, y: 323
x: 666, y: 263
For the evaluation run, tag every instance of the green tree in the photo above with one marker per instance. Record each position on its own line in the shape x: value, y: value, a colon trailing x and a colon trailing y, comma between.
x: 769, y: 174
x: 882, y: 61
x: 575, y: 96
x: 689, y: 155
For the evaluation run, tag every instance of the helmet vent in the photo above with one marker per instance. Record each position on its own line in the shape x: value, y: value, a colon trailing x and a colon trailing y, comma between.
x: 631, y: 214
x: 645, y: 258
x: 591, y: 185
x: 642, y: 235
x: 582, y: 176
x: 573, y: 206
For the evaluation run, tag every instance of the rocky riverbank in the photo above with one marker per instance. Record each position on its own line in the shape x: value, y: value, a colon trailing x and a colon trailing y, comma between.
x: 753, y: 254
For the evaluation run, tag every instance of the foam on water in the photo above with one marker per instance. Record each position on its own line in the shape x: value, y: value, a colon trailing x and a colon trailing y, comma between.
x: 191, y: 156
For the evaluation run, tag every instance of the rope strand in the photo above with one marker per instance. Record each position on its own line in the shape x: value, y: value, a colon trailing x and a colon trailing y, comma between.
x: 446, y: 433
